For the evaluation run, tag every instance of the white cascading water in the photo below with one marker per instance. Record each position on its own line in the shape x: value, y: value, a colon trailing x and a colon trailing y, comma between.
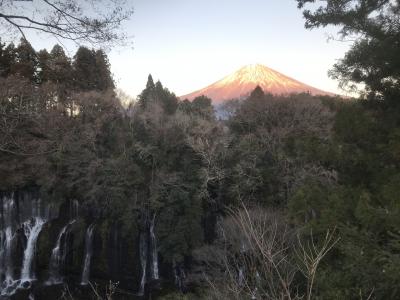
x: 2, y: 241
x: 88, y: 255
x: 32, y: 229
x: 59, y: 251
x: 177, y: 277
x: 241, y: 277
x: 143, y: 261
x: 74, y: 209
x: 58, y: 256
x: 6, y: 246
x: 154, y: 255
x: 26, y: 216
x: 255, y: 291
x: 8, y: 266
x: 180, y: 276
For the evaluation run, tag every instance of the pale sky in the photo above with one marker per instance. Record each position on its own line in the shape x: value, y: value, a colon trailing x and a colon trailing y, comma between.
x: 189, y: 44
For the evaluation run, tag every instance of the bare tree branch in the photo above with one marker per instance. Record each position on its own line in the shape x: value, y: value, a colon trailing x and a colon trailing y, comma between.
x: 95, y: 23
x: 259, y: 257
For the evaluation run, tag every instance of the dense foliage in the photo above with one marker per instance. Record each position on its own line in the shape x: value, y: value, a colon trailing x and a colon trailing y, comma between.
x: 364, y: 152
x: 373, y: 60
x: 312, y: 163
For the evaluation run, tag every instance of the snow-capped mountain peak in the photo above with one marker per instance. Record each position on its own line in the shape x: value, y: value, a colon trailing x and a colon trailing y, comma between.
x: 240, y: 84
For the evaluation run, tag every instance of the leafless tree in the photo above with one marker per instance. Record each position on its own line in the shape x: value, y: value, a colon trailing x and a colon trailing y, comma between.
x: 33, y: 122
x: 258, y: 256
x: 93, y: 22
x: 110, y: 290
x: 108, y: 293
x: 22, y: 110
x: 208, y: 139
x: 126, y: 100
x: 310, y: 255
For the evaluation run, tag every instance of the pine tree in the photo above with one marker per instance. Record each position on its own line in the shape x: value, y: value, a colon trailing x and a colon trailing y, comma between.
x: 165, y: 98
x: 257, y: 93
x: 85, y: 69
x: 62, y: 76
x: 147, y: 93
x: 373, y: 59
x: 92, y: 70
x: 104, y: 78
x: 61, y: 68
x: 7, y: 58
x: 26, y: 62
x: 44, y: 71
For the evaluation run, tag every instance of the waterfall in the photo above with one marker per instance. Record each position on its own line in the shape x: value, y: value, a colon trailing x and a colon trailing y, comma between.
x: 88, y: 255
x: 8, y: 234
x: 143, y: 261
x: 23, y: 215
x: 148, y: 255
x: 154, y: 256
x: 58, y: 255
x: 2, y: 241
x: 180, y: 276
x: 74, y: 209
x: 8, y: 266
x: 241, y: 278
x: 257, y: 282
x: 32, y: 229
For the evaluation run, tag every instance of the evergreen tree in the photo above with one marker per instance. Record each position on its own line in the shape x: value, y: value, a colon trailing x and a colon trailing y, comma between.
x: 156, y: 94
x: 104, y: 78
x: 373, y: 58
x: 257, y: 94
x: 7, y: 58
x: 92, y: 70
x: 147, y: 93
x: 84, y: 66
x: 165, y: 98
x: 26, y: 62
x: 150, y: 83
x: 44, y: 68
x: 61, y: 68
x: 62, y: 77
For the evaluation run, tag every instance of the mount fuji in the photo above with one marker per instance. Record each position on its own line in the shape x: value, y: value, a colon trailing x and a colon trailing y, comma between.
x: 242, y: 82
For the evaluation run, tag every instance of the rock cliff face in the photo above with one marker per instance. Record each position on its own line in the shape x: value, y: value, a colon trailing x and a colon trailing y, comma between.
x: 42, y: 247
x: 242, y: 82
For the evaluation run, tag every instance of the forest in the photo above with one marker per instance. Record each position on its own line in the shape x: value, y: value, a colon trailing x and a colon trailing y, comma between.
x: 285, y: 197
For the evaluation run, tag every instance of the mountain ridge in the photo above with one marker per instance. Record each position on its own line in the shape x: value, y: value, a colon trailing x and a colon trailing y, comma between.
x: 239, y: 84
